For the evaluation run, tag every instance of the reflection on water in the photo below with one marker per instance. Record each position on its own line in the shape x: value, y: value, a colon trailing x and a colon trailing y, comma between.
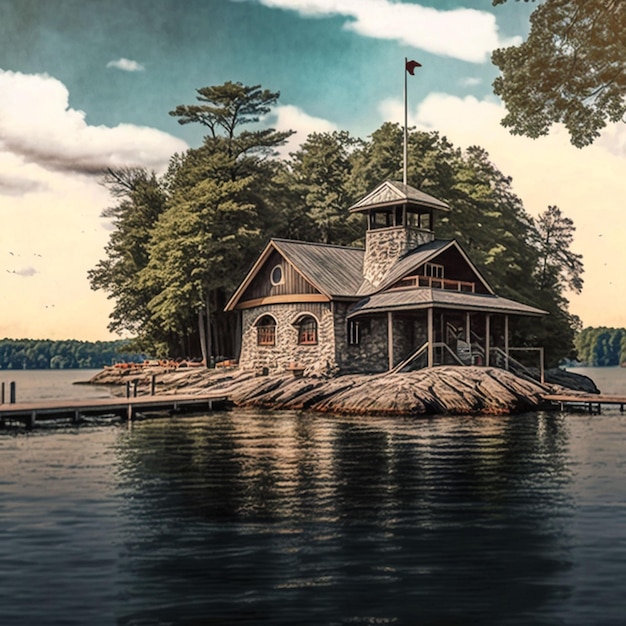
x: 308, y: 519
x: 290, y: 518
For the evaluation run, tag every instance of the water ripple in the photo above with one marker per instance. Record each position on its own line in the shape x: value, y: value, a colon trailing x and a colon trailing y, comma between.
x: 290, y: 518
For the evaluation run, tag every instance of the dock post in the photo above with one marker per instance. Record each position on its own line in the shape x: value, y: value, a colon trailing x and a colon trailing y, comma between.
x: 30, y: 420
x: 128, y: 388
x: 12, y: 392
x: 130, y: 412
x: 152, y: 384
x: 135, y: 388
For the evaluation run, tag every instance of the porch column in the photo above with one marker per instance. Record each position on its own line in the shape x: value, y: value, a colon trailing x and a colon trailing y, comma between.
x: 506, y: 342
x: 431, y: 338
x: 390, y: 338
x: 468, y: 331
x: 487, y: 338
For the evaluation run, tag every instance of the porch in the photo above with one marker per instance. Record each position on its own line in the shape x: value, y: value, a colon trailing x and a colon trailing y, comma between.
x: 435, y: 336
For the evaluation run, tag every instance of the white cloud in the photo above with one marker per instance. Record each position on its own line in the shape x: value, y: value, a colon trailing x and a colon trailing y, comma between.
x: 613, y: 139
x: 16, y: 185
x: 289, y: 117
x: 471, y: 81
x: 466, y: 34
x: 126, y: 65
x: 38, y: 127
x: 51, y: 201
x: 588, y: 185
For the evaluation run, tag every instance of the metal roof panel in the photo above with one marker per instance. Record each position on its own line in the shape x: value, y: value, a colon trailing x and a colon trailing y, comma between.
x: 334, y: 270
x: 424, y: 297
x: 394, y: 192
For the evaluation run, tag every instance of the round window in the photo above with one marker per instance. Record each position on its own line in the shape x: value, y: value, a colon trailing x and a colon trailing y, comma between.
x: 276, y: 277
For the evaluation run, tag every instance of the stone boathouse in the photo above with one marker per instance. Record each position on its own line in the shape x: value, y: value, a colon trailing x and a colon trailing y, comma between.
x: 407, y: 300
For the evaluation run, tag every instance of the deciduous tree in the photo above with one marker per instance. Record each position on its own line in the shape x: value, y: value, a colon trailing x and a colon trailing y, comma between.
x: 570, y: 70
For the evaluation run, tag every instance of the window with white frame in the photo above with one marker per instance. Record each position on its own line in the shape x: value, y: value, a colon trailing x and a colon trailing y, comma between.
x: 277, y: 275
x: 434, y: 270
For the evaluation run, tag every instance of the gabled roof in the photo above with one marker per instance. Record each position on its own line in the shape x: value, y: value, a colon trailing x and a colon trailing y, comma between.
x: 335, y: 271
x: 392, y: 192
x: 424, y: 254
x: 423, y: 298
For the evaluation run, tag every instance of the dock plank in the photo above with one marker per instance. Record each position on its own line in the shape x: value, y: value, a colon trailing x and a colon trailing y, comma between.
x: 50, y: 408
x: 588, y: 399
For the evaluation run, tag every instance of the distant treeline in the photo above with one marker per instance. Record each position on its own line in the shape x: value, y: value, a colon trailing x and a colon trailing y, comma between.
x: 69, y: 354
x: 601, y: 346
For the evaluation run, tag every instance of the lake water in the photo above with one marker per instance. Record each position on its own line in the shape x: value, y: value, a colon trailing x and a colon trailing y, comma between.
x: 51, y: 384
x: 248, y: 517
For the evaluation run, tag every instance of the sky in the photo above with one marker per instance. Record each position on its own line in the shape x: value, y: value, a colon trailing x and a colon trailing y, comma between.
x: 87, y: 84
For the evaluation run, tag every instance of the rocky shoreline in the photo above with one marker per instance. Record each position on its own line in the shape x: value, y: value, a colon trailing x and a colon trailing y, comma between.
x: 448, y: 390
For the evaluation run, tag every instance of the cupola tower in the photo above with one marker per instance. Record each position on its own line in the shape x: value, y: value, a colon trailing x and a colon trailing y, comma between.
x: 399, y: 218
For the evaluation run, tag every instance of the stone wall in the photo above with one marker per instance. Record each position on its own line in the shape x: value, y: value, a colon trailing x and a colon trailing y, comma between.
x: 318, y: 358
x: 384, y: 246
x: 370, y: 354
x: 409, y: 333
x: 333, y: 354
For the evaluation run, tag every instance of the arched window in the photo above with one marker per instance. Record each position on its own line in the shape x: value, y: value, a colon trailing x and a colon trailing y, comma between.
x: 307, y: 330
x: 266, y: 331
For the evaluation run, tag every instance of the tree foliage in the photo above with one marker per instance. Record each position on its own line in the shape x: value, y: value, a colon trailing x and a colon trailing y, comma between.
x: 217, y: 209
x: 204, y: 224
x: 319, y: 174
x: 559, y: 267
x: 601, y: 346
x: 570, y: 70
x: 66, y: 354
x: 141, y: 200
x: 490, y: 222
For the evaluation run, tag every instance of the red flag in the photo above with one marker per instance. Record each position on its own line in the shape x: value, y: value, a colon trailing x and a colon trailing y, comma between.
x: 411, y: 65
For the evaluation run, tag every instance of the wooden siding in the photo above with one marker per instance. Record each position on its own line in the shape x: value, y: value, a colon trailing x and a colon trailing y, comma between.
x: 293, y: 282
x: 292, y: 298
x: 457, y: 269
x: 335, y: 270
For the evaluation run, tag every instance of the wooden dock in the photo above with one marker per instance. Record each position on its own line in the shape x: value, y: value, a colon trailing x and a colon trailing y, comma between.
x: 31, y: 412
x: 590, y: 401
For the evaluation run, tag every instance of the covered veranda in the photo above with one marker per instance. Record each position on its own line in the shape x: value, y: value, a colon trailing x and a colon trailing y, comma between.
x: 427, y: 327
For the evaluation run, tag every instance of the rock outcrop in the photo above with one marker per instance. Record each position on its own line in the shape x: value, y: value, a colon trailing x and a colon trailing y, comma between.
x: 570, y: 380
x: 440, y: 390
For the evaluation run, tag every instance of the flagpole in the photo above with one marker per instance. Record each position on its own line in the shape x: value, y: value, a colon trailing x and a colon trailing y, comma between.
x: 404, y: 167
